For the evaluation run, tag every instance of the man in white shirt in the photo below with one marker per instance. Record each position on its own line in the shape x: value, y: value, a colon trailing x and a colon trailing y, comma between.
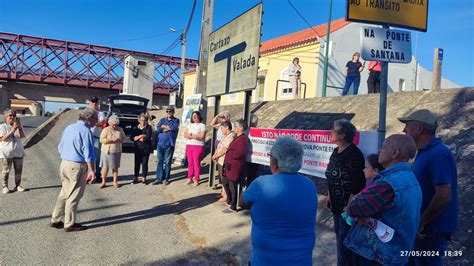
x: 11, y: 149
x: 94, y: 104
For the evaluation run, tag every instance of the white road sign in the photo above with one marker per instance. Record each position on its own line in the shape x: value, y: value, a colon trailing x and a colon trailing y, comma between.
x: 233, y: 54
x: 385, y: 45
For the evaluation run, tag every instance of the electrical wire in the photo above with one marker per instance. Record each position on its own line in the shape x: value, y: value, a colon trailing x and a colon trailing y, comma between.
x: 172, y: 45
x: 141, y: 38
x: 302, y: 17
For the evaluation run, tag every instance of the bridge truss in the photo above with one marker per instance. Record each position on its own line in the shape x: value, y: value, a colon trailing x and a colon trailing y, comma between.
x: 48, y: 61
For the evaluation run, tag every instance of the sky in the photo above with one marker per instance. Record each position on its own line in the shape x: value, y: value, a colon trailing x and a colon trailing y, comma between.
x: 144, y: 25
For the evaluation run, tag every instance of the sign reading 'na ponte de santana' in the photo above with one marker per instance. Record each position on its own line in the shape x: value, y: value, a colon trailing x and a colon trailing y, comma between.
x: 411, y: 14
x: 233, y: 54
x: 385, y: 45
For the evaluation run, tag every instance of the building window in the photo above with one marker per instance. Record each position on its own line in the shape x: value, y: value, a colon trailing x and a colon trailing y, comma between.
x: 401, y: 85
x: 284, y: 85
x: 233, y: 97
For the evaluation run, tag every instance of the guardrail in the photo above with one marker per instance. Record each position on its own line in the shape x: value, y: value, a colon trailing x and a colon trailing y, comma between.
x: 282, y: 80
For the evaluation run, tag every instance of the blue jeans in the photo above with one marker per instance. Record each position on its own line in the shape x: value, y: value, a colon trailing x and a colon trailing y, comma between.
x: 341, y: 228
x: 431, y: 242
x: 349, y: 81
x: 165, y: 153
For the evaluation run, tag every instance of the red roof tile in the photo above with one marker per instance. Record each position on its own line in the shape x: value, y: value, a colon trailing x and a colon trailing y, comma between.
x: 301, y: 37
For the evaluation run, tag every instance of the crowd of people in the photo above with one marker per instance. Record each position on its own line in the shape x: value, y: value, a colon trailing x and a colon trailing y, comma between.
x: 352, y: 73
x: 410, y: 185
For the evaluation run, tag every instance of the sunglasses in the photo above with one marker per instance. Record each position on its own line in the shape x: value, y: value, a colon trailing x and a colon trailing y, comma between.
x: 12, y: 115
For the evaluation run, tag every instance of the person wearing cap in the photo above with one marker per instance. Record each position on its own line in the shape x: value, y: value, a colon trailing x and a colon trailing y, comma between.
x: 94, y: 104
x: 435, y: 169
x: 394, y: 198
x: 167, y: 130
x: 11, y: 150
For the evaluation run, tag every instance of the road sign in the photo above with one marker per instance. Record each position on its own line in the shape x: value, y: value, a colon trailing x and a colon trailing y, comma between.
x: 411, y: 14
x: 233, y: 54
x: 385, y: 45
x: 440, y: 54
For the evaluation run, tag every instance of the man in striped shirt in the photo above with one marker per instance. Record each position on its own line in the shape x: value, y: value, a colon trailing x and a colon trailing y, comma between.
x: 394, y: 198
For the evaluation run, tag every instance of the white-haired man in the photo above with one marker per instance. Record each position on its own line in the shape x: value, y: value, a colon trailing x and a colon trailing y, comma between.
x: 11, y: 149
x: 283, y: 207
x: 76, y: 149
x: 394, y: 197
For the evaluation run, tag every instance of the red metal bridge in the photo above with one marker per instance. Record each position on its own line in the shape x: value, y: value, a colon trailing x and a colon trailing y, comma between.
x: 48, y: 61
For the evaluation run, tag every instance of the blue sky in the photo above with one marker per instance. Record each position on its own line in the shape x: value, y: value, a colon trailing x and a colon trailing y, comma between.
x: 115, y: 22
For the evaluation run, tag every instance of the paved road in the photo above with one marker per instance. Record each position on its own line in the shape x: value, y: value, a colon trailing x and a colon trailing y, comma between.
x: 136, y: 224
x: 30, y: 123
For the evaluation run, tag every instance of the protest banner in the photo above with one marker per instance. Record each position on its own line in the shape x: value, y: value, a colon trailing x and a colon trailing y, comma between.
x: 317, y: 146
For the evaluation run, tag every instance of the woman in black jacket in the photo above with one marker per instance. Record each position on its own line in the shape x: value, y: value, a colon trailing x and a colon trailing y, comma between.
x: 141, y: 137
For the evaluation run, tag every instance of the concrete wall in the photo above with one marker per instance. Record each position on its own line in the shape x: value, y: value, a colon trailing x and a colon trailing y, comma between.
x: 44, y: 92
x: 4, y: 96
x: 345, y: 42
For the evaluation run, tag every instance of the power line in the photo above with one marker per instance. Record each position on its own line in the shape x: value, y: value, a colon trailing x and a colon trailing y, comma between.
x: 302, y: 17
x: 172, y: 45
x: 140, y: 38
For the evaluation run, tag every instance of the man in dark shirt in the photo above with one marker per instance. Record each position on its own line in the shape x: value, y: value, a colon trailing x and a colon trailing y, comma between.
x: 435, y: 169
x: 167, y: 130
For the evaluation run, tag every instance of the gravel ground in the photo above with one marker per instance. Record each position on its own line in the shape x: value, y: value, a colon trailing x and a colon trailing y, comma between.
x: 136, y: 224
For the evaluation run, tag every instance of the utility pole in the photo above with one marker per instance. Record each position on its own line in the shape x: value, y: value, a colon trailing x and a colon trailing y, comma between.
x: 437, y: 68
x: 183, y: 53
x: 183, y: 63
x: 201, y: 76
x: 201, y: 71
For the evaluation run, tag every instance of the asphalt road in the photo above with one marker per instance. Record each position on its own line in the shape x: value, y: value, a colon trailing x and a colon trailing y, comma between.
x: 136, y: 224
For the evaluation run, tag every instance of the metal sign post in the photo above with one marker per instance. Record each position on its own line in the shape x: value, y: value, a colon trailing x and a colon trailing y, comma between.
x: 232, y: 64
x: 212, y: 164
x: 383, y: 101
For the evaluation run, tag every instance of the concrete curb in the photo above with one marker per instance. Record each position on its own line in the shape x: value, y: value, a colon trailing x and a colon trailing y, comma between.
x: 35, y: 132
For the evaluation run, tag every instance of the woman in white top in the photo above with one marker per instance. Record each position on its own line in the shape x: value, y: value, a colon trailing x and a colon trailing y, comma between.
x: 295, y: 77
x: 195, y: 135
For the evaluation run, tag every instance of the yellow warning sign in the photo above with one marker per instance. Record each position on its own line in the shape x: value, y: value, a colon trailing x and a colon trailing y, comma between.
x: 411, y: 14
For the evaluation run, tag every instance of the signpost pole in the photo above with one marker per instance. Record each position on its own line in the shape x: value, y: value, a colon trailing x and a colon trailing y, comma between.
x: 247, y: 103
x: 383, y: 101
x: 212, y: 168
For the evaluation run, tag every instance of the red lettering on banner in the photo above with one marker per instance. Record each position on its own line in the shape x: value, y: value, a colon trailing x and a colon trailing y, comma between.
x: 316, y: 136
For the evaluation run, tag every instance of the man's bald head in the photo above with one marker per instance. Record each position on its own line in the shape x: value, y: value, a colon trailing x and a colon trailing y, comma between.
x: 397, y: 148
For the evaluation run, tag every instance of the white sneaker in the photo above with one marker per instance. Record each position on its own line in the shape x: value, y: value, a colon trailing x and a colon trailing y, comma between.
x: 20, y: 188
x: 5, y: 190
x: 196, y: 183
x: 189, y: 182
